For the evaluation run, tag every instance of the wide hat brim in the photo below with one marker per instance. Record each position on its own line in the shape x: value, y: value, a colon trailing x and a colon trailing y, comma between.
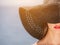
x: 33, y: 17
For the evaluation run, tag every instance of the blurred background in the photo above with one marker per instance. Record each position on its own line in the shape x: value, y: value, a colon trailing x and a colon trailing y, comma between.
x: 12, y: 31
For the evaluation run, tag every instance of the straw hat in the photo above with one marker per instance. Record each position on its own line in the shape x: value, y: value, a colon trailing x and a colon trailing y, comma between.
x: 35, y: 18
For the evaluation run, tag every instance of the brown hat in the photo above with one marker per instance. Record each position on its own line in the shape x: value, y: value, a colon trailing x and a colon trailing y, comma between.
x: 35, y: 18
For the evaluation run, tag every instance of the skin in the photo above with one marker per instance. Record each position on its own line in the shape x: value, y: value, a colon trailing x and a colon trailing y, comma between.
x: 52, y: 37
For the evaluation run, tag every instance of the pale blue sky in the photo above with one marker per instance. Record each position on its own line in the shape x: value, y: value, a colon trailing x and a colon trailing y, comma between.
x: 12, y: 31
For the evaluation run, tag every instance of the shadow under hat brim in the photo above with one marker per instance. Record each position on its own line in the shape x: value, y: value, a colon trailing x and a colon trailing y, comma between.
x: 50, y: 13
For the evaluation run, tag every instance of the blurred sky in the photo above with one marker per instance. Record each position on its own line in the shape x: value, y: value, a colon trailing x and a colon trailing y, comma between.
x: 20, y: 2
x: 12, y: 31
